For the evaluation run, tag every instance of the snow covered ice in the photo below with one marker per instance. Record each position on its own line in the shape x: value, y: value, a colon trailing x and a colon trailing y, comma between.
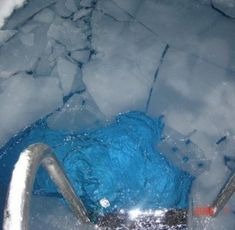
x: 79, y: 63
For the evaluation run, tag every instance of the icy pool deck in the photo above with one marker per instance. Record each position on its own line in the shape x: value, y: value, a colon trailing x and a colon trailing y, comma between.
x: 86, y: 61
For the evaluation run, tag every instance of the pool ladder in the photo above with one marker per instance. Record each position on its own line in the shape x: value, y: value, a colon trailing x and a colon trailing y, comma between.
x: 16, y: 213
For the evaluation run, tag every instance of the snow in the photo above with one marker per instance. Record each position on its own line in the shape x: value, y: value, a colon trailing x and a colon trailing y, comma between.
x: 7, y: 7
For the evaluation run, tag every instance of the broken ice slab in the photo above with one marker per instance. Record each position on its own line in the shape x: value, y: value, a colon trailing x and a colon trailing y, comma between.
x: 43, y: 67
x: 55, y: 50
x: 81, y: 56
x: 225, y: 6
x: 210, y: 37
x: 61, y: 9
x: 110, y: 8
x: 68, y: 34
x: 86, y: 3
x: 81, y: 13
x: 45, y: 16
x: 27, y: 39
x: 71, y: 5
x: 20, y: 16
x: 16, y: 56
x: 70, y: 76
x: 78, y: 113
x: 183, y: 152
x: 120, y: 75
x: 5, y: 35
x: 195, y: 94
x: 24, y: 100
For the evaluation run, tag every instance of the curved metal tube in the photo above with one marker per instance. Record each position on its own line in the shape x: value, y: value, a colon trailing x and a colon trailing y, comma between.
x: 224, y: 195
x: 16, y: 213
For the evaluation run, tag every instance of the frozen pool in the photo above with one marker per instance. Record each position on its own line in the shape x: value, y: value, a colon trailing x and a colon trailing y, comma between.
x: 78, y: 64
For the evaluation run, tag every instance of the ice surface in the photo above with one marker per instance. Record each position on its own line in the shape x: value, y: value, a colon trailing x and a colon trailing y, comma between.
x: 46, y: 16
x: 81, y: 56
x: 71, y: 5
x: 225, y: 6
x: 121, y: 60
x: 24, y: 100
x: 52, y: 214
x: 15, y: 56
x: 119, y: 53
x: 70, y: 76
x: 68, y: 34
x: 5, y: 35
x: 211, y: 36
x: 79, y: 113
x: 27, y: 39
x: 81, y: 13
x: 86, y: 3
x: 62, y: 10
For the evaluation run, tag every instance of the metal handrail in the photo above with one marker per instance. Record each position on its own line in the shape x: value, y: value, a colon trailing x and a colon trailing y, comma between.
x: 16, y: 213
x: 224, y: 195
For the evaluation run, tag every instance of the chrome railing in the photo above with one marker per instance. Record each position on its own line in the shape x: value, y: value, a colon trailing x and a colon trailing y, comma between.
x: 16, y: 213
x: 224, y: 195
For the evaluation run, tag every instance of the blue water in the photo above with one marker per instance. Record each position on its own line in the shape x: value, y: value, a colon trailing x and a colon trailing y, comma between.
x: 119, y: 162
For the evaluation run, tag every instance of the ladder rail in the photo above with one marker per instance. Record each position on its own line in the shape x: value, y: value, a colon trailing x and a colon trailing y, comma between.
x: 16, y: 212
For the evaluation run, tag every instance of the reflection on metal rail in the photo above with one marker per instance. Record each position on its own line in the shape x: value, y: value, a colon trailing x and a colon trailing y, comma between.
x: 224, y: 195
x: 16, y: 213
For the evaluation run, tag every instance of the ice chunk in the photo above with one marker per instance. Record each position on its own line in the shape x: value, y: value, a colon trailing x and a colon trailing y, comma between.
x: 81, y: 13
x: 71, y: 5
x: 5, y: 35
x: 29, y: 27
x: 31, y: 8
x: 55, y: 50
x: 225, y: 6
x: 15, y: 57
x: 24, y: 100
x: 120, y: 76
x: 45, y: 16
x: 79, y: 113
x: 110, y: 8
x: 183, y: 152
x: 81, y: 56
x: 43, y: 67
x: 68, y: 34
x: 27, y: 39
x: 70, y: 76
x: 61, y: 9
x: 86, y: 3
x: 192, y: 97
x: 51, y: 213
x: 215, y: 44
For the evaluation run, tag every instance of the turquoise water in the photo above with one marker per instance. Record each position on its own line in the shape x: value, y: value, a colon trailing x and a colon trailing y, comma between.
x: 118, y: 162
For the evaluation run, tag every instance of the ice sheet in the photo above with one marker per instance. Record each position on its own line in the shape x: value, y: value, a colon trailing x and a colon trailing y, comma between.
x: 24, y: 100
x: 120, y: 75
